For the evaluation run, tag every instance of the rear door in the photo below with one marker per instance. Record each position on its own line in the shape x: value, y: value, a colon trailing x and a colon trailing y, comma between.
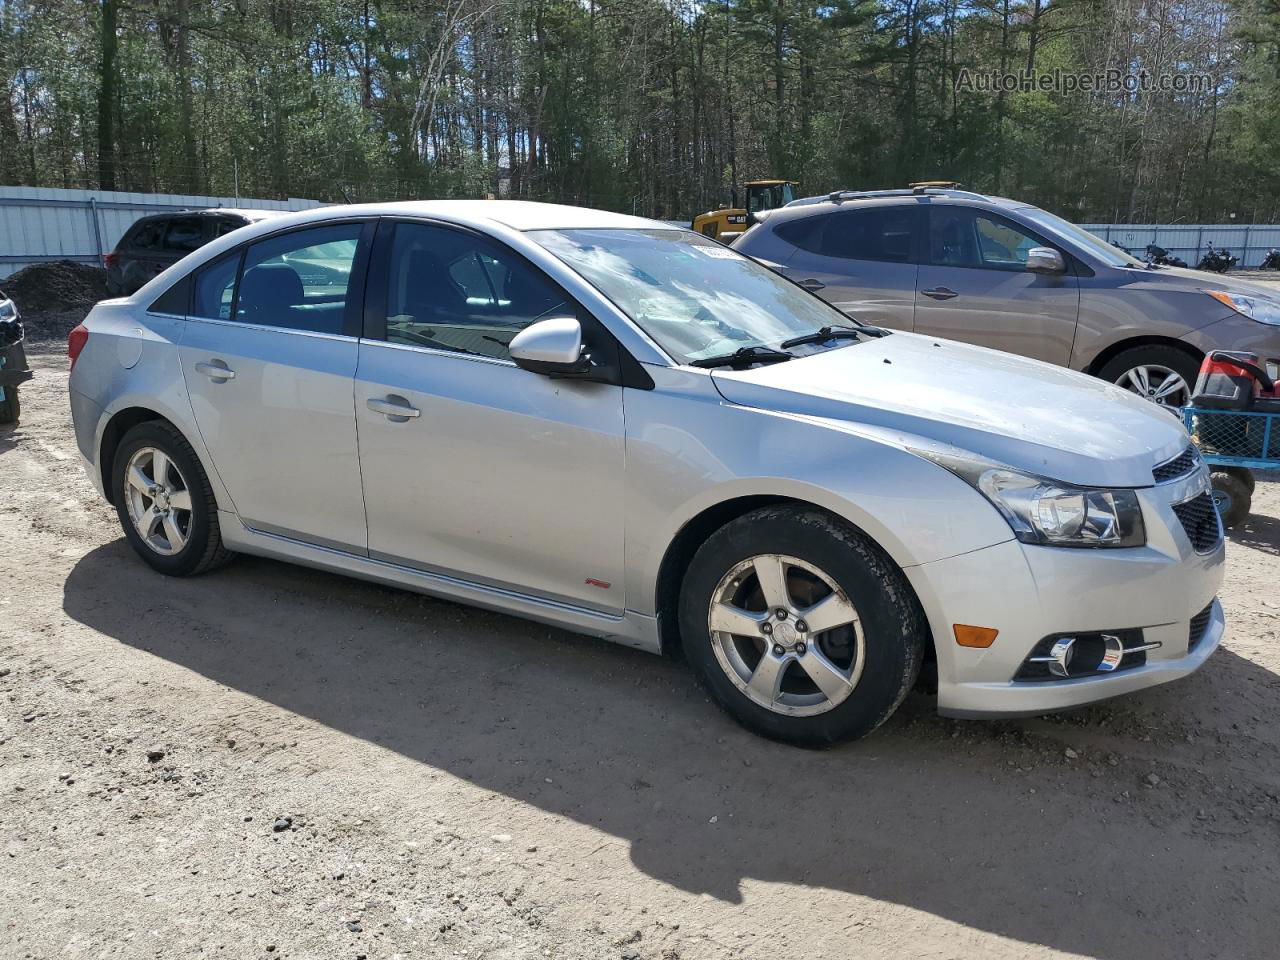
x: 268, y: 359
x: 862, y: 261
x: 975, y: 287
x: 472, y: 466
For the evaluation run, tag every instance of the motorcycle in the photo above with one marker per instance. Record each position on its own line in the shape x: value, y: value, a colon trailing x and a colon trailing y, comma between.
x: 1162, y: 257
x: 1217, y: 261
x: 1271, y: 261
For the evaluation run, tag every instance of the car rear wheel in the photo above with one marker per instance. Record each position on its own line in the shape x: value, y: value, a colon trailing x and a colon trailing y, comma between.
x: 800, y: 626
x: 164, y: 501
x: 1159, y: 373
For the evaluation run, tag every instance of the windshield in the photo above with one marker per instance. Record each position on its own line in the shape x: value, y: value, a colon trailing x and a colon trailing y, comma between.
x: 1109, y: 254
x: 695, y: 297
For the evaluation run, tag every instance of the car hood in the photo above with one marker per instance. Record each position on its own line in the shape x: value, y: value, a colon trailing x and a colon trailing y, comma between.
x: 1189, y: 279
x: 1029, y: 415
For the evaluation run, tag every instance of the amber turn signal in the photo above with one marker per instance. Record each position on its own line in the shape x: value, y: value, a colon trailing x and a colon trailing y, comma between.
x: 968, y: 636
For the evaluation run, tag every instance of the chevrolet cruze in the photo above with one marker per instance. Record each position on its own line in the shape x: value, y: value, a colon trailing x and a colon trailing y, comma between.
x: 631, y: 431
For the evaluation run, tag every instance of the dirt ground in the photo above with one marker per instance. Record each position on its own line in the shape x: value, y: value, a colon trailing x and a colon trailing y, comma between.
x: 272, y: 762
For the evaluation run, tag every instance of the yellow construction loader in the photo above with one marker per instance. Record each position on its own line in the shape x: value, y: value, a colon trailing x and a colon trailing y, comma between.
x: 729, y: 222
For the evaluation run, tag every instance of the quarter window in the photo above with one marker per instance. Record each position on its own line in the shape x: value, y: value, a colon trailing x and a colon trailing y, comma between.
x: 451, y: 290
x: 148, y: 235
x: 184, y: 235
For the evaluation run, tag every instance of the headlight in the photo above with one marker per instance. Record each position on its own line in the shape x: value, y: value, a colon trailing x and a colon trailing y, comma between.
x: 1262, y: 309
x: 1047, y: 512
x: 7, y: 309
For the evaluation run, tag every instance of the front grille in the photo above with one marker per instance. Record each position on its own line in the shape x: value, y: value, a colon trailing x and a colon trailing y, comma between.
x: 1199, y: 517
x: 1179, y: 466
x: 1199, y: 624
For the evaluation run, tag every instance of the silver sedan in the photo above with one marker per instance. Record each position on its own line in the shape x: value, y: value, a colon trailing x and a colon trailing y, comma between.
x: 628, y: 430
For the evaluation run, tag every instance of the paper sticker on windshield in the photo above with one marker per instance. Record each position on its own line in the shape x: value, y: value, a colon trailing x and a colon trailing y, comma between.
x: 718, y: 253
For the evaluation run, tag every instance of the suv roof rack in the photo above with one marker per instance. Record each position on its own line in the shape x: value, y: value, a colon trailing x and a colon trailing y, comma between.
x: 917, y: 190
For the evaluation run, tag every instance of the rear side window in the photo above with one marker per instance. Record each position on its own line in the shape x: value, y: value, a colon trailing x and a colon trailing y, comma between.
x: 148, y: 234
x: 216, y: 288
x: 184, y: 234
x: 885, y: 234
x: 226, y: 226
x: 299, y: 280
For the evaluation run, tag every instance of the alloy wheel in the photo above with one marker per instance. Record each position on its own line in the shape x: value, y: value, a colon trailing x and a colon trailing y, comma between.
x: 786, y: 635
x: 1156, y: 383
x: 159, y: 501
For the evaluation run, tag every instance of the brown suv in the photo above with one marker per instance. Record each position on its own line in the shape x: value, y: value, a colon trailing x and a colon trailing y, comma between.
x: 1003, y: 274
x: 157, y: 242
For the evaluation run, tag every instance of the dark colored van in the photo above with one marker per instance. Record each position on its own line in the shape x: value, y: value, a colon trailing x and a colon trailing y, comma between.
x: 157, y: 242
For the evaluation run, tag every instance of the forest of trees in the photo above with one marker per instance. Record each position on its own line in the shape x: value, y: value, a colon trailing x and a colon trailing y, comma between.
x: 652, y: 106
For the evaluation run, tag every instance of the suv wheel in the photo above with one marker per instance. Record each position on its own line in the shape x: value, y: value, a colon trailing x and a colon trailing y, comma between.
x: 164, y: 502
x: 1161, y: 374
x: 800, y: 627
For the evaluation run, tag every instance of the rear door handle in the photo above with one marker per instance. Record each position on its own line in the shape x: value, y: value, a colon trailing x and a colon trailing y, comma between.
x: 216, y: 370
x: 396, y: 408
x: 940, y: 293
x: 812, y: 285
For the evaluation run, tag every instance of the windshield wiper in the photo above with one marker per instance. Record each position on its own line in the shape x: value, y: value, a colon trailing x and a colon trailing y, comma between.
x: 743, y: 356
x: 834, y: 333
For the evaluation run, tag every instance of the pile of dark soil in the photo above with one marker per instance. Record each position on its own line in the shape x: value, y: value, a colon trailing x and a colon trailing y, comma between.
x: 53, y: 297
x: 56, y: 286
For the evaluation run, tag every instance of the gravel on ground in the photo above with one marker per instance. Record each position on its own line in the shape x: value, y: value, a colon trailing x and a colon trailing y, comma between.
x: 272, y: 762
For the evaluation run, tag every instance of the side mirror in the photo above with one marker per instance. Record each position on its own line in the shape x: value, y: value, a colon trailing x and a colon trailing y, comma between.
x: 551, y: 347
x: 1045, y: 260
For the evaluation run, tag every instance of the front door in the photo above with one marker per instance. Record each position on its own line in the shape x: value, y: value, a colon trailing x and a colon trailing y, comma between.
x: 862, y: 261
x: 473, y: 467
x: 974, y: 286
x: 268, y: 356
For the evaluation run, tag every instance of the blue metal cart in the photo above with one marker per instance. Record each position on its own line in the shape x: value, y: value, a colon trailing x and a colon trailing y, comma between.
x: 1234, y: 443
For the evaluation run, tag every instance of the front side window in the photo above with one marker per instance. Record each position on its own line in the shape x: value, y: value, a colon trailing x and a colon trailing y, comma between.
x: 451, y: 290
x: 959, y: 237
x: 184, y: 234
x: 695, y: 297
x: 299, y: 280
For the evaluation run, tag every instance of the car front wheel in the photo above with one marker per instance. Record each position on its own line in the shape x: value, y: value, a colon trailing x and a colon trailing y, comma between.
x: 1159, y: 373
x: 800, y: 626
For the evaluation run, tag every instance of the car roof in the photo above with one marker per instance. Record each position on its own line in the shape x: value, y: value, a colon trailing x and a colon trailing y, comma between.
x: 851, y: 200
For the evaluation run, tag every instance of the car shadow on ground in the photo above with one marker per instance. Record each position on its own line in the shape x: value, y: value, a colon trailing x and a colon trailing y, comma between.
x: 1259, y: 532
x: 929, y: 814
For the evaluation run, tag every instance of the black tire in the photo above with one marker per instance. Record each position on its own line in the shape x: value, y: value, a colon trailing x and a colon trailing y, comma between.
x: 1231, y: 496
x: 10, y: 406
x: 893, y: 624
x: 203, y: 549
x: 1179, y: 361
x: 1244, y: 475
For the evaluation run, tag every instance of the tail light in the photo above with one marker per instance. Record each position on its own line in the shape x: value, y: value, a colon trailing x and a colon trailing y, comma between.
x: 76, y: 340
x: 109, y: 260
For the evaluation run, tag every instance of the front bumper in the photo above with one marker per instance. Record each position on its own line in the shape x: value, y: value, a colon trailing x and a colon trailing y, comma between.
x: 1030, y: 592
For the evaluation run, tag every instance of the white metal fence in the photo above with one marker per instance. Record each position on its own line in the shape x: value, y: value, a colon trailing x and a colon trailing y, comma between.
x: 1190, y: 241
x: 39, y: 224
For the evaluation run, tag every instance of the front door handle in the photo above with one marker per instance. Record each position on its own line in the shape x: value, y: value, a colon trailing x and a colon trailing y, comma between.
x: 812, y: 285
x: 216, y: 371
x: 396, y: 408
x: 940, y: 293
